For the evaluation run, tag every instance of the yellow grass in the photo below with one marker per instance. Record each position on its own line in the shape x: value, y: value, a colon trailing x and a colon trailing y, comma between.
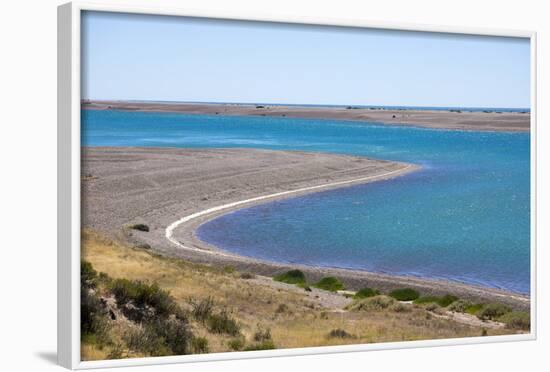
x: 299, y: 324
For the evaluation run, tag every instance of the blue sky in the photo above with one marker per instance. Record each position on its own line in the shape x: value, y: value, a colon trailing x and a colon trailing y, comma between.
x: 143, y: 57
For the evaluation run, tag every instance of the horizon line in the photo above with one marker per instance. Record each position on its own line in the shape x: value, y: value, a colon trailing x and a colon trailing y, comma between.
x: 303, y: 104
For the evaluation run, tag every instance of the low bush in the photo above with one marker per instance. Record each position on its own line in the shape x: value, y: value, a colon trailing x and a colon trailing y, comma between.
x: 199, y: 345
x: 441, y: 301
x: 366, y: 293
x: 492, y: 311
x: 291, y: 277
x: 282, y: 308
x: 262, y: 334
x: 88, y: 275
x: 247, y: 276
x: 143, y: 295
x: 375, y: 303
x: 459, y: 306
x: 473, y: 309
x: 236, y: 343
x: 202, y: 309
x: 339, y: 333
x: 142, y: 340
x: 401, y: 308
x: 175, y: 333
x: 405, y: 294
x: 329, y: 283
x: 516, y: 320
x: 140, y: 227
x: 267, y: 345
x: 223, y: 323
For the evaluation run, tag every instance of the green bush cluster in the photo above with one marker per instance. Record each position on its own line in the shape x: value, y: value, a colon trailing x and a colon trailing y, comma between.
x: 329, y: 283
x: 516, y: 320
x: 142, y: 295
x: 223, y: 323
x: 375, y: 303
x: 291, y: 277
x: 441, y: 301
x: 366, y: 293
x: 404, y: 294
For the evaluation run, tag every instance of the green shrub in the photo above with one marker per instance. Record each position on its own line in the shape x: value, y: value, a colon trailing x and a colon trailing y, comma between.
x: 447, y: 300
x: 441, y: 301
x: 247, y: 276
x: 223, y: 323
x: 88, y: 275
x: 291, y: 277
x: 375, y: 303
x: 459, y: 306
x: 473, y: 309
x: 339, y: 333
x: 266, y: 345
x: 175, y: 333
x: 202, y: 309
x: 262, y: 334
x: 145, y: 341
x: 140, y: 227
x: 366, y: 293
x: 94, y: 323
x: 236, y: 343
x: 199, y: 345
x: 329, y: 283
x: 143, y: 295
x: 228, y: 269
x: 516, y: 320
x: 405, y: 294
x: 492, y: 311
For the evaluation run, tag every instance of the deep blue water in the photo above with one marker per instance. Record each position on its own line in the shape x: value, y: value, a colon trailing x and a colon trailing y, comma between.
x: 465, y: 216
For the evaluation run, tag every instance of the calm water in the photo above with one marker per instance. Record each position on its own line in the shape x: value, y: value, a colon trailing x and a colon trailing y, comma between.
x: 464, y: 217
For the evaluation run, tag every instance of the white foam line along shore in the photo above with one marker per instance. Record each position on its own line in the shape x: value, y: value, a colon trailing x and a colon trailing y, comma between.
x: 170, y: 229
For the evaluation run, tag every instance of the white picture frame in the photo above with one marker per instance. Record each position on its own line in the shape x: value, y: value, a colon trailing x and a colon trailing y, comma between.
x: 69, y: 147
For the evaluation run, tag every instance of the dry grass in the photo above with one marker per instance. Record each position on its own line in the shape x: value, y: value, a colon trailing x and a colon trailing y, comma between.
x: 259, y: 306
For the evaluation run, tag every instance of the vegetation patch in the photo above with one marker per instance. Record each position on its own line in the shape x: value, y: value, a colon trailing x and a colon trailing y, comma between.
x: 339, y: 333
x: 460, y: 306
x: 405, y: 294
x: 140, y: 227
x: 516, y: 320
x: 223, y: 323
x: 473, y: 309
x: 492, y: 311
x: 292, y: 277
x: 376, y: 303
x: 329, y: 283
x: 441, y: 301
x: 366, y: 293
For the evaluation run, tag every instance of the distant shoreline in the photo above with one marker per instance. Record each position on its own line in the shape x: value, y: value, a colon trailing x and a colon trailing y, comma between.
x: 456, y: 119
x: 125, y: 186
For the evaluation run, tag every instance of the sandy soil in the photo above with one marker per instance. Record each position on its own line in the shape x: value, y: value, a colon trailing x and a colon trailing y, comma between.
x: 123, y: 186
x: 490, y: 121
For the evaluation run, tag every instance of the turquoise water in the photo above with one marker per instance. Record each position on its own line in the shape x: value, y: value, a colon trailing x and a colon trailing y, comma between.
x: 465, y: 216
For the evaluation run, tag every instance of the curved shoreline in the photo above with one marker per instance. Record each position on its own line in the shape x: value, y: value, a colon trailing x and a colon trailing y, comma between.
x: 428, y: 285
x: 247, y: 202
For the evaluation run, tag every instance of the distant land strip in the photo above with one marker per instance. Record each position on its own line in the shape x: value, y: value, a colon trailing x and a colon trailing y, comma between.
x: 488, y: 120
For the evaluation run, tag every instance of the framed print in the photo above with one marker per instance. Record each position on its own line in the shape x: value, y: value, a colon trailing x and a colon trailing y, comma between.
x: 237, y: 186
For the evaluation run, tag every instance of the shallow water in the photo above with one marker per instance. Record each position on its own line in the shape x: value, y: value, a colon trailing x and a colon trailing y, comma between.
x: 465, y: 216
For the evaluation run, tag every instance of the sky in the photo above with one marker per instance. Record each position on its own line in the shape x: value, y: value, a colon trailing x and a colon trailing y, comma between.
x: 162, y: 58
